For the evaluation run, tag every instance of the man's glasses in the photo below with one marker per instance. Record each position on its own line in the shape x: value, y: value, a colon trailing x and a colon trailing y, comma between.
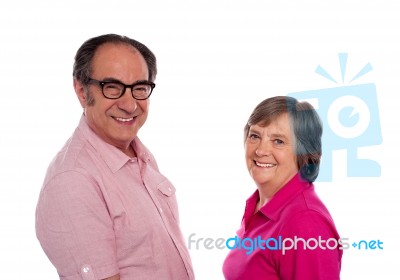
x: 114, y: 89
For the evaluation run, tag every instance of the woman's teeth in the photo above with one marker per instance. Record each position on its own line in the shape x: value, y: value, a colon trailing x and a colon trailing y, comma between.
x: 265, y: 164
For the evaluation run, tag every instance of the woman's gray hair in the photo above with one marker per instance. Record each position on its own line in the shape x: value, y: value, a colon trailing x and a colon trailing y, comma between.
x: 306, y: 127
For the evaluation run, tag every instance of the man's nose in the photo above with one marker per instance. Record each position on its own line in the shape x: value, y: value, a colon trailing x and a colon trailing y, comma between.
x: 127, y: 102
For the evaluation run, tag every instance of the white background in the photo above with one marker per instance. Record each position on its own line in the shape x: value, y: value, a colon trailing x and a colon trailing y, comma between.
x: 217, y: 60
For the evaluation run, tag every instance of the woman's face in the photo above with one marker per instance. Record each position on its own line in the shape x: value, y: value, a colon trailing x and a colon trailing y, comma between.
x: 270, y: 154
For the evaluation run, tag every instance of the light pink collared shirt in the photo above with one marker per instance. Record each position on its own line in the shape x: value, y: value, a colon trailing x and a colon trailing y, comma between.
x: 101, y: 213
x: 295, y: 211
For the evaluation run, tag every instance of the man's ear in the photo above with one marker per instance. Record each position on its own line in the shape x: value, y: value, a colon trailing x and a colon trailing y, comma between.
x: 80, y: 93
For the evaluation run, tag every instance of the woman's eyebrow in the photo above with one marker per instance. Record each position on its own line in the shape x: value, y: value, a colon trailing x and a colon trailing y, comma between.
x: 278, y: 135
x: 252, y: 130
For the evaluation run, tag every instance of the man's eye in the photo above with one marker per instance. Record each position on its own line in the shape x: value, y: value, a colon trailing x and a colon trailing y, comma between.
x: 112, y: 86
x: 142, y: 88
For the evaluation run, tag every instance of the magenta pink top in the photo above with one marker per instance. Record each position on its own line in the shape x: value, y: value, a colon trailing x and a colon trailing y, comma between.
x: 101, y: 213
x: 294, y: 214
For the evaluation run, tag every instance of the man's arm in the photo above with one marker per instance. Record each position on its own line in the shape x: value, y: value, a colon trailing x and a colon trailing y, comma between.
x: 115, y: 277
x: 73, y: 224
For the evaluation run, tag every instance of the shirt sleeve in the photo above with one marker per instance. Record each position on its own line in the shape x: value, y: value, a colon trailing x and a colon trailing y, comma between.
x: 75, y: 229
x: 312, y: 250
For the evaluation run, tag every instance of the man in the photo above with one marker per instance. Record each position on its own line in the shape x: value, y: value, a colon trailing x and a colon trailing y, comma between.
x: 105, y: 211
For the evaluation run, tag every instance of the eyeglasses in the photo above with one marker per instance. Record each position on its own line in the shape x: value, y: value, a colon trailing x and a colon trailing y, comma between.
x: 141, y: 90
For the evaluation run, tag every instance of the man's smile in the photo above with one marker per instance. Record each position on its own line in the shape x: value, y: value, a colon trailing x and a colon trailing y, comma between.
x: 124, y: 119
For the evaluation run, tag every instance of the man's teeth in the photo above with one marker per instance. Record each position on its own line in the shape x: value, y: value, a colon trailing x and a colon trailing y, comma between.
x: 265, y: 164
x: 124, y: 120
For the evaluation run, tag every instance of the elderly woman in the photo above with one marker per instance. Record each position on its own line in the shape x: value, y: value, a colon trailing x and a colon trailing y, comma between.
x: 286, y: 231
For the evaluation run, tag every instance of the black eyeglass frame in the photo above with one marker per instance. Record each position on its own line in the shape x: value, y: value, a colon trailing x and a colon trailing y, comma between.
x: 103, y: 83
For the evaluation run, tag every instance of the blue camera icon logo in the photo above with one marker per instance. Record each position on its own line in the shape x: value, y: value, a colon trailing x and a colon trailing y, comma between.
x: 350, y: 117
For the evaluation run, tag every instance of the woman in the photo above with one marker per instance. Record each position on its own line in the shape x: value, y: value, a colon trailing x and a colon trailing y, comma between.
x: 286, y: 231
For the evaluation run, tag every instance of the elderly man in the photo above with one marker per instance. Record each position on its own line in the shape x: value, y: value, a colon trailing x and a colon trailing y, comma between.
x: 105, y: 211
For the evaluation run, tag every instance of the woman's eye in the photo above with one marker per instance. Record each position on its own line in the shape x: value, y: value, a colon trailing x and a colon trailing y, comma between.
x: 278, y: 141
x: 253, y: 136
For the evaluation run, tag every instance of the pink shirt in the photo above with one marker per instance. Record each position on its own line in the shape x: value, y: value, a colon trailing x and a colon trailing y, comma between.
x: 295, y: 210
x: 101, y: 213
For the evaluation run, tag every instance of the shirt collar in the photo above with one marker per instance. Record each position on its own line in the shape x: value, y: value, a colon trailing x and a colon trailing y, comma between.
x: 112, y: 156
x: 278, y: 202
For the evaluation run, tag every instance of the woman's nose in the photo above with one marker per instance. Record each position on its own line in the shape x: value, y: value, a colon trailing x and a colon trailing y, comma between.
x: 264, y: 149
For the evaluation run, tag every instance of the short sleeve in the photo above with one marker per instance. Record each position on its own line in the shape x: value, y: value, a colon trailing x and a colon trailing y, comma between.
x: 313, y: 251
x: 74, y: 228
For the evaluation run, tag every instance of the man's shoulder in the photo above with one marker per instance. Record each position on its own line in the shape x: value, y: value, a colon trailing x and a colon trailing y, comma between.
x: 72, y: 156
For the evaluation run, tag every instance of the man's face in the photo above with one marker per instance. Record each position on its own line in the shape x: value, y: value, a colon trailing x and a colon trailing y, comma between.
x: 116, y: 121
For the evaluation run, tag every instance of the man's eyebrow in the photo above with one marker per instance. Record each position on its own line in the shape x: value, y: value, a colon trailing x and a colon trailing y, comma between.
x: 111, y: 79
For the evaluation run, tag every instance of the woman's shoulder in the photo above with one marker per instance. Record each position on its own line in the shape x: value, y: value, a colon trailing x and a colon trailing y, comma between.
x: 308, y: 215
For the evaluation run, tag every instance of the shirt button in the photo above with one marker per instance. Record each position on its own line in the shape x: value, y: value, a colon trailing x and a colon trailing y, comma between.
x: 161, y: 210
x: 86, y: 269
